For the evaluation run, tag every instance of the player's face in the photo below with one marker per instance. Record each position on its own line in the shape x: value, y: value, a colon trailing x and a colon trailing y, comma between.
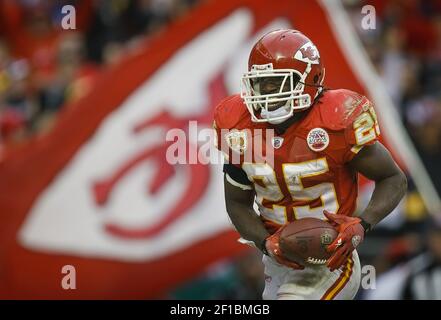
x: 271, y: 85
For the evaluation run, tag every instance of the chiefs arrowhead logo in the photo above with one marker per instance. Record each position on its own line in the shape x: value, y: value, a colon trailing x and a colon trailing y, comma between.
x: 308, y: 53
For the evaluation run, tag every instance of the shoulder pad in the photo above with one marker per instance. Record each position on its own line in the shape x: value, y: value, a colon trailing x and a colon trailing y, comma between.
x: 229, y: 112
x: 340, y: 108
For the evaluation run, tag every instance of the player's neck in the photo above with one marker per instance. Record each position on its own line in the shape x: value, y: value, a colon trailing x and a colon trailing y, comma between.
x: 282, y: 127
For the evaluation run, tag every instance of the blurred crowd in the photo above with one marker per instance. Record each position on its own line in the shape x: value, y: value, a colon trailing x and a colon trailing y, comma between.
x: 405, y: 48
x: 43, y: 68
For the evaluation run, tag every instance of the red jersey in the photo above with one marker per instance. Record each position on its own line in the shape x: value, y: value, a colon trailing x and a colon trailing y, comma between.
x: 304, y: 170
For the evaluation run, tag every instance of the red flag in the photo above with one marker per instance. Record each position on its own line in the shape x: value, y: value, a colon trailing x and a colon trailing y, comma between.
x: 97, y: 193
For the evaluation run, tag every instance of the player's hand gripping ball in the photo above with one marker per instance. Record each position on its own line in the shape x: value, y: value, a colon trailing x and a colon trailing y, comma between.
x: 306, y: 240
x: 350, y: 235
x: 272, y: 247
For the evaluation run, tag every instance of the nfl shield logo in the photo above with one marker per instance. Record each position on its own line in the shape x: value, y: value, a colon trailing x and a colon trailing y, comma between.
x: 277, y: 142
x: 326, y: 238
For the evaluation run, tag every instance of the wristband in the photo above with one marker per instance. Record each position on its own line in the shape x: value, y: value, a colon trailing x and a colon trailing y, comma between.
x: 366, y: 225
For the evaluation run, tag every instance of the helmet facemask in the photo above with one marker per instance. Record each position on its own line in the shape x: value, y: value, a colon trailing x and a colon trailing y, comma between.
x: 278, y: 106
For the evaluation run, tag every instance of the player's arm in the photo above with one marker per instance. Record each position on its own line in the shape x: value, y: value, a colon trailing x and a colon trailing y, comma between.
x: 239, y: 199
x: 376, y: 163
x: 370, y: 158
x: 238, y: 189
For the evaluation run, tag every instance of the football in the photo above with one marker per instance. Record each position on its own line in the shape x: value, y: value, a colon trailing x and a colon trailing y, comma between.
x: 305, y: 240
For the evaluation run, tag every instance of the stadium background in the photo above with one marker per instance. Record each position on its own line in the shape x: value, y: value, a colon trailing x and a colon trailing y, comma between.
x: 83, y: 116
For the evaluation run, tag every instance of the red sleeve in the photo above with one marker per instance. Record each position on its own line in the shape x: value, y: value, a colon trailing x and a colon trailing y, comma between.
x: 361, y: 130
x: 231, y: 141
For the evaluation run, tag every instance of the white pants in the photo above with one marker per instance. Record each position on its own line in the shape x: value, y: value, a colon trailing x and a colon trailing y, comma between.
x: 311, y: 283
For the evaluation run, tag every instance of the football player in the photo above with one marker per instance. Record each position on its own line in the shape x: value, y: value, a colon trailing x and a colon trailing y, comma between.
x: 321, y: 139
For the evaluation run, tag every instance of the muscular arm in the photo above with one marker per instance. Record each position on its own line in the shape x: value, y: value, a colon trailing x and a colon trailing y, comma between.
x: 376, y: 163
x: 239, y: 205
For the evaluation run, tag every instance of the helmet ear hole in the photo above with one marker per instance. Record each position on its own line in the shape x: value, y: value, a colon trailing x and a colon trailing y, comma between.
x: 316, y: 78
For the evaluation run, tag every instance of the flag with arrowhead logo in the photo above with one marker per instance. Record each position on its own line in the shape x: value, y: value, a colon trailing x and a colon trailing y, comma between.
x: 97, y: 193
